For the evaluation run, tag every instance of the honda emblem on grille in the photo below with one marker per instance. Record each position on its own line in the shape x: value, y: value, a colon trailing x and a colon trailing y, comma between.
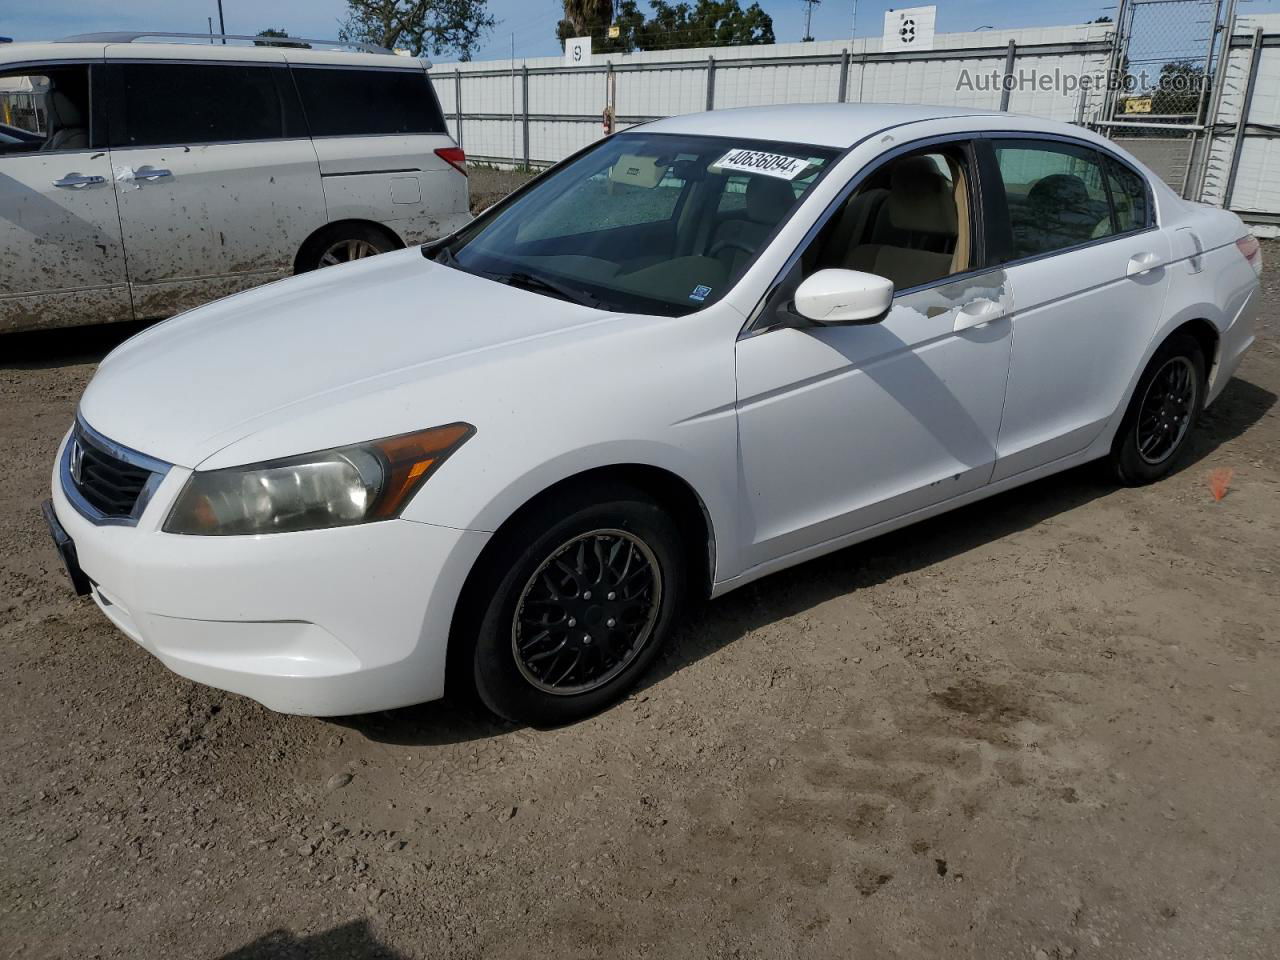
x: 77, y: 461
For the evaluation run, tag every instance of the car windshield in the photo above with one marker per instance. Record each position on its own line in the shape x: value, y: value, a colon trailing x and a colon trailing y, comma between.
x: 646, y: 223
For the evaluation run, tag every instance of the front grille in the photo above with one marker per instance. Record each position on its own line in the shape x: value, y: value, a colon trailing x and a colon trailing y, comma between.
x: 106, y: 482
x: 111, y: 486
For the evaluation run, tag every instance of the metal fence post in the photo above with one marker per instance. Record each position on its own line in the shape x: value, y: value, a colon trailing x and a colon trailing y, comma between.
x: 1215, y: 100
x: 610, y: 98
x: 1242, y: 121
x: 1203, y: 98
x: 524, y: 82
x: 844, y: 75
x: 1116, y: 66
x: 711, y: 83
x: 457, y: 104
x: 1006, y: 87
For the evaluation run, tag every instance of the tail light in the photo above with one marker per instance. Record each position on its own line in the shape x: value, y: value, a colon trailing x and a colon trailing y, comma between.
x: 454, y: 157
x: 1252, y: 251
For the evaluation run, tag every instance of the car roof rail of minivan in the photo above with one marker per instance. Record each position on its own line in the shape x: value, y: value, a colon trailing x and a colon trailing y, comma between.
x: 134, y: 36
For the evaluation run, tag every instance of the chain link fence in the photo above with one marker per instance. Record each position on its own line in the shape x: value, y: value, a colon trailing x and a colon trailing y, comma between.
x: 1165, y: 54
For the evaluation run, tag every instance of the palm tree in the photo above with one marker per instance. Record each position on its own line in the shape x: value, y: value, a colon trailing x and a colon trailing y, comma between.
x: 583, y: 14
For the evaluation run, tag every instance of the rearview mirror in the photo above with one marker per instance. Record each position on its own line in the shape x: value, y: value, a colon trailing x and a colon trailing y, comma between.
x: 844, y: 296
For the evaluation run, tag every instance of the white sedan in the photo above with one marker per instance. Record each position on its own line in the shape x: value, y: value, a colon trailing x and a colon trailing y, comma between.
x: 692, y: 354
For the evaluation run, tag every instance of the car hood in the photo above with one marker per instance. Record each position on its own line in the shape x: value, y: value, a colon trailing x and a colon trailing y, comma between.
x: 190, y: 386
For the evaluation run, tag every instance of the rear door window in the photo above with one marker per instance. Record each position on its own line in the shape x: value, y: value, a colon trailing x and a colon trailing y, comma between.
x: 356, y: 103
x: 1056, y: 194
x: 163, y: 104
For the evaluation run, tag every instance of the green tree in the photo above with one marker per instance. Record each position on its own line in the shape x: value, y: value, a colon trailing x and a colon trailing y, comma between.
x: 419, y: 26
x: 1178, y: 87
x: 709, y: 23
x: 274, y: 34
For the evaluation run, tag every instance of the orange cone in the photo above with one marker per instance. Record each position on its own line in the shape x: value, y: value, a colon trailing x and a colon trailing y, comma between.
x: 1219, y: 481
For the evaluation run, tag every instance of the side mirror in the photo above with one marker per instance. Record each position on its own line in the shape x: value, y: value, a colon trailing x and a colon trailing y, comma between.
x: 844, y: 296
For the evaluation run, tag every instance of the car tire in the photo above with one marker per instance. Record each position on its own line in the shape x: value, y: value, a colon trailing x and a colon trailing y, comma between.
x: 547, y: 647
x: 1163, y: 411
x: 343, y: 243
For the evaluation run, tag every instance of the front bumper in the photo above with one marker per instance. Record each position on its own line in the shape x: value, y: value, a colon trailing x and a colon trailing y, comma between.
x: 321, y: 622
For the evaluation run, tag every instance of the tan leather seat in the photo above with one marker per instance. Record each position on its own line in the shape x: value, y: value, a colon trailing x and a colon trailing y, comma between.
x: 67, y: 123
x: 737, y: 239
x: 914, y: 239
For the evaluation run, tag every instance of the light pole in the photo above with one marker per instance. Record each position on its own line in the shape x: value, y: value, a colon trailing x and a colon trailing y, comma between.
x: 222, y: 24
x: 808, y: 19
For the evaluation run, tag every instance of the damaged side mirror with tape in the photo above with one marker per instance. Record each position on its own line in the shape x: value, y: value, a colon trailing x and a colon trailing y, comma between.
x: 834, y: 296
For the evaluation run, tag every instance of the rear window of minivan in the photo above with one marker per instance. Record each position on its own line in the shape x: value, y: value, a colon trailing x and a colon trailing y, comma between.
x: 162, y: 104
x: 346, y: 102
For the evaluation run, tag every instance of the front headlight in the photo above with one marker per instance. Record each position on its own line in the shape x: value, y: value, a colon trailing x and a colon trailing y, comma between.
x: 328, y: 488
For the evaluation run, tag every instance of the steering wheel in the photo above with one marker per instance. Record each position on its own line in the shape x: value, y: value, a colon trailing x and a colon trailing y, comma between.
x: 731, y: 243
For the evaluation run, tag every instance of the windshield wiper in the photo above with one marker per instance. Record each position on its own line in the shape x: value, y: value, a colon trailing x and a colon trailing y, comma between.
x: 527, y: 281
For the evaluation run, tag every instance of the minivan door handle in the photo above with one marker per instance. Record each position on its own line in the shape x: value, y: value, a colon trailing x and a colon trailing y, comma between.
x: 77, y: 181
x: 975, y: 313
x: 1141, y: 263
x: 151, y: 173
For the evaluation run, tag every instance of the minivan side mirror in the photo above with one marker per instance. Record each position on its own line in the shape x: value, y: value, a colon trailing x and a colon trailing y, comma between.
x: 844, y: 296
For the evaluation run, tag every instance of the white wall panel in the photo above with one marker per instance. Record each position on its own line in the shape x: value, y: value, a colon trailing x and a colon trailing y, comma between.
x: 661, y: 92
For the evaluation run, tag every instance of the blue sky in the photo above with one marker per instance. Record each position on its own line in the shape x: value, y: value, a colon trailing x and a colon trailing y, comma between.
x: 532, y: 21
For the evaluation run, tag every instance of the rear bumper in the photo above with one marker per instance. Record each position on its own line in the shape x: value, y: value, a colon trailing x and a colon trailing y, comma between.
x: 324, y: 622
x: 1234, y: 343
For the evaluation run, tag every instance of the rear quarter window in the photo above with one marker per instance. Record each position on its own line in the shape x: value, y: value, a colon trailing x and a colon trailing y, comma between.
x: 1129, y: 193
x: 354, y: 102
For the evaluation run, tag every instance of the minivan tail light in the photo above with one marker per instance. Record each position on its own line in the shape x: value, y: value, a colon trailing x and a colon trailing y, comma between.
x: 454, y: 157
x: 1252, y: 251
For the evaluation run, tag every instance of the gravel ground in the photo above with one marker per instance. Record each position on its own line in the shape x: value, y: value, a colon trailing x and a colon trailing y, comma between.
x: 1040, y: 727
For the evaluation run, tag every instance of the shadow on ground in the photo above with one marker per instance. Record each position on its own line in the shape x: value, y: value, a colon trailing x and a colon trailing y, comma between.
x: 351, y: 941
x: 65, y: 346
x: 720, y: 622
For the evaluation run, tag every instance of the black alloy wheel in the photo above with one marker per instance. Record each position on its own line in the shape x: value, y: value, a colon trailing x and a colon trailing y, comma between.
x: 570, y: 603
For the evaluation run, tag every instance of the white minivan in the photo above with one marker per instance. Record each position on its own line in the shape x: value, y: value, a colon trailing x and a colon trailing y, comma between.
x: 145, y: 178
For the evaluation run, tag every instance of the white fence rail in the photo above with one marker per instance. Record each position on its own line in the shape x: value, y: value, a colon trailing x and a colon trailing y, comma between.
x: 536, y: 112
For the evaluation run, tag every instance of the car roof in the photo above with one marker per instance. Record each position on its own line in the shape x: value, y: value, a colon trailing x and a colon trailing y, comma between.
x: 829, y: 124
x: 45, y: 52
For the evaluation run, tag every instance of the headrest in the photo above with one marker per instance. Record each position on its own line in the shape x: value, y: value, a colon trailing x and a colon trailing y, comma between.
x: 920, y: 198
x: 768, y: 199
x: 64, y: 110
x: 1059, y: 191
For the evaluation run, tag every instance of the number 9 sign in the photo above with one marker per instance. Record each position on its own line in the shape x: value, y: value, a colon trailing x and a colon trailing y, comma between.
x: 577, y: 52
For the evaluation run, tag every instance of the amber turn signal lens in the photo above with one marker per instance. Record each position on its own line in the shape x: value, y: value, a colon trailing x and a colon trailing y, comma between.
x: 409, y: 459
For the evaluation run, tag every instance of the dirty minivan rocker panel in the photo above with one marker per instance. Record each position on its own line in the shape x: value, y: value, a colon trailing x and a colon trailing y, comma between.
x: 156, y: 387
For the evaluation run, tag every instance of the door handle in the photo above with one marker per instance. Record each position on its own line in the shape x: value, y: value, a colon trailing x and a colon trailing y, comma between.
x: 77, y: 181
x: 151, y: 173
x: 1141, y: 263
x: 977, y: 312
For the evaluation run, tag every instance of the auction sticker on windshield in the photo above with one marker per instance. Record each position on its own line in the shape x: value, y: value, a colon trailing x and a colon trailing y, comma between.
x: 757, y: 161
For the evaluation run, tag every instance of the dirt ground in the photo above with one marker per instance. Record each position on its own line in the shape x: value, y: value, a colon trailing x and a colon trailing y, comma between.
x: 489, y: 185
x: 1044, y: 726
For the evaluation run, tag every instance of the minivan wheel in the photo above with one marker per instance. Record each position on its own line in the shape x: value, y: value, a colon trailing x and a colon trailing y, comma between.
x: 576, y: 608
x: 1162, y: 413
x: 342, y: 244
